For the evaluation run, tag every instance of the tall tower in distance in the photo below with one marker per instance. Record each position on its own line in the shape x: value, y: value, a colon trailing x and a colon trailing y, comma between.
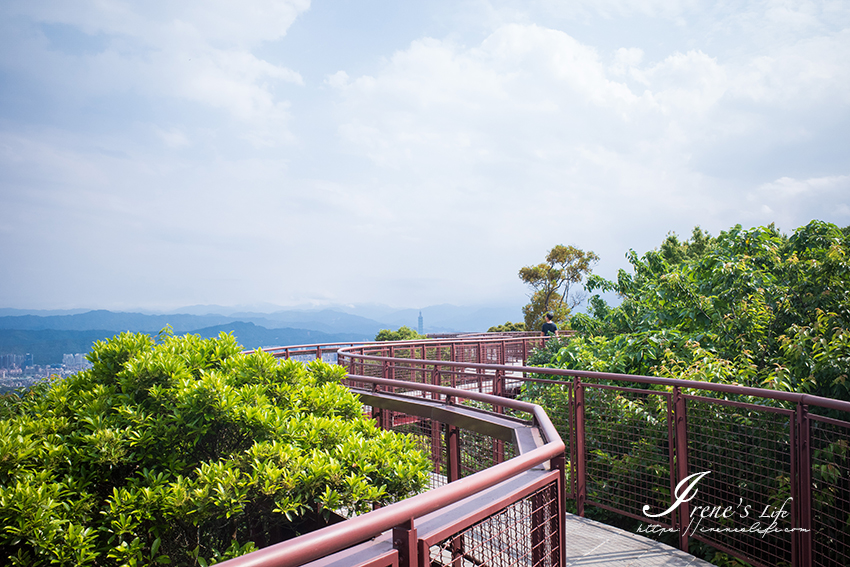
x: 420, y: 324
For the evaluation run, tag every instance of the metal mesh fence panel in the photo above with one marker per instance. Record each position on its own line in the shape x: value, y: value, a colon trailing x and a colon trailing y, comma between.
x: 556, y: 398
x: 428, y: 435
x: 627, y: 449
x: 479, y: 452
x: 748, y: 451
x: 522, y: 534
x: 830, y: 492
x: 514, y: 352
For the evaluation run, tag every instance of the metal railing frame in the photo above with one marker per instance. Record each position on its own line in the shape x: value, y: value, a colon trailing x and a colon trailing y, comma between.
x: 382, y: 360
x: 681, y: 392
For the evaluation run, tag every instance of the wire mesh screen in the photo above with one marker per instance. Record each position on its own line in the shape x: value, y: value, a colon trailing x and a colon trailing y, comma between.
x: 523, y: 534
x: 830, y: 491
x: 557, y: 399
x: 514, y: 352
x: 748, y: 451
x: 479, y: 452
x: 428, y: 435
x: 466, y: 352
x: 627, y: 449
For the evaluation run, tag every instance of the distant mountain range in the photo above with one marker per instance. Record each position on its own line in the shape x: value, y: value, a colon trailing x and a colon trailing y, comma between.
x: 49, y: 334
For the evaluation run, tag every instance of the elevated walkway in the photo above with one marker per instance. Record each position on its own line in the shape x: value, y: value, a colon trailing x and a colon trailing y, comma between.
x: 591, y: 544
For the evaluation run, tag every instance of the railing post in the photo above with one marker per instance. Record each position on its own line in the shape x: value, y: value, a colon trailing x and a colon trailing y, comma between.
x: 318, y: 353
x: 560, y: 512
x: 452, y: 453
x: 386, y: 372
x: 682, y: 514
x: 538, y: 530
x: 499, y: 387
x: 580, y: 455
x: 351, y: 366
x: 436, y: 437
x: 804, y: 487
x: 404, y: 540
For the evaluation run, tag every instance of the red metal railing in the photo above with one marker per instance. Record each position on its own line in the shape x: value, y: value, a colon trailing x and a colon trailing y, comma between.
x: 777, y: 490
x: 323, y: 351
x: 772, y: 459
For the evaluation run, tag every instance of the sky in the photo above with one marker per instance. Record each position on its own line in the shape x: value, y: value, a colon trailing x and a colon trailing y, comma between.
x: 157, y: 154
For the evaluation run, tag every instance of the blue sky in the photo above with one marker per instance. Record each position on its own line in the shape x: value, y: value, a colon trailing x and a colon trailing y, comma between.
x: 158, y: 154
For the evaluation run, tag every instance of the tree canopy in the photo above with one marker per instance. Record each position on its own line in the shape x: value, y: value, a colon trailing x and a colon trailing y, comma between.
x: 403, y: 334
x: 750, y: 306
x: 184, y: 451
x: 553, y: 282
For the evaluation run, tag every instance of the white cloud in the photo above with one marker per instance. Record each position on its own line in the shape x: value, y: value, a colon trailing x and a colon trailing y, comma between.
x: 427, y: 170
x: 173, y: 137
x: 187, y: 51
x: 338, y: 80
x: 156, y: 21
x: 787, y: 200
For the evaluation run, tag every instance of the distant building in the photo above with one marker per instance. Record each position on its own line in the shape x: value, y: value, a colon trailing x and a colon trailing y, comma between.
x: 10, y: 361
x: 75, y: 362
x: 421, y: 326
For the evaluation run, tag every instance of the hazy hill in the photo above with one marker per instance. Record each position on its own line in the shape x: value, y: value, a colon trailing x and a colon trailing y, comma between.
x: 251, y: 336
x: 50, y: 334
x: 112, y: 321
x: 47, y: 345
x: 326, y: 321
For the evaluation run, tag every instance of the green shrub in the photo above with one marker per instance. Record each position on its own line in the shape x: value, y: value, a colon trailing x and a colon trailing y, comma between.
x: 187, y: 452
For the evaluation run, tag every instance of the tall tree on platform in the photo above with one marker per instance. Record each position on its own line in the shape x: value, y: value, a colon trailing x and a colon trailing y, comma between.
x: 553, y: 283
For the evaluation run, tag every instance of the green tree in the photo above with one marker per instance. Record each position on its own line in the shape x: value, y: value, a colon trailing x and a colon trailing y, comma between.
x: 185, y: 452
x: 553, y: 284
x: 403, y: 334
x: 750, y: 306
x: 507, y: 328
x: 675, y: 252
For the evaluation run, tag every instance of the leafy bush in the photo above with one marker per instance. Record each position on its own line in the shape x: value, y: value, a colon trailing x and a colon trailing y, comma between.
x: 187, y: 452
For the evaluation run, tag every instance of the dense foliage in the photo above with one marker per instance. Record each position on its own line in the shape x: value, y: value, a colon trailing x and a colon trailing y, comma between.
x: 184, y: 451
x: 403, y: 334
x: 554, y: 284
x: 507, y: 327
x: 753, y: 307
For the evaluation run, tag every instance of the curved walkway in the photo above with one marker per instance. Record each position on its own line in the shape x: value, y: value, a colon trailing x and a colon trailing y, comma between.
x: 691, y: 422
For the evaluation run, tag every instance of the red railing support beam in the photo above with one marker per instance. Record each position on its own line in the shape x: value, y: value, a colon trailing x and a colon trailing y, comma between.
x: 404, y: 540
x: 580, y: 453
x: 682, y: 516
x: 804, y: 493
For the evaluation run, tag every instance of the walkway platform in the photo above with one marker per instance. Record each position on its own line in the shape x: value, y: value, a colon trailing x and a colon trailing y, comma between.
x: 591, y: 544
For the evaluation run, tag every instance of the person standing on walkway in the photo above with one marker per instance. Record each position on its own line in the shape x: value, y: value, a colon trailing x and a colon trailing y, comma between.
x: 549, y: 328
